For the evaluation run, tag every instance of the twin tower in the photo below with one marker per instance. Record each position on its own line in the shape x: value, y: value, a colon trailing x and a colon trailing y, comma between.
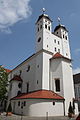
x: 54, y: 42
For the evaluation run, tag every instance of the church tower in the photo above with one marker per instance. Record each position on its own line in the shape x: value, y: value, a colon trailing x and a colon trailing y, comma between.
x: 43, y: 48
x: 43, y: 29
x: 62, y: 32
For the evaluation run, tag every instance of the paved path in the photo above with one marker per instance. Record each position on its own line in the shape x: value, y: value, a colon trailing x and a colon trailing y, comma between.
x: 17, y: 117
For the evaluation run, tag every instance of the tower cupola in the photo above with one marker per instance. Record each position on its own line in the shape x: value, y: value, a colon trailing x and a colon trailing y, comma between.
x: 43, y: 21
x: 61, y: 31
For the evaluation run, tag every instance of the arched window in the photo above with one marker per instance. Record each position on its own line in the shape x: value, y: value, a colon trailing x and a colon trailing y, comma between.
x: 66, y: 37
x: 45, y: 26
x: 39, y: 39
x: 19, y: 85
x: 49, y: 28
x: 38, y: 29
x: 63, y: 36
x: 19, y: 92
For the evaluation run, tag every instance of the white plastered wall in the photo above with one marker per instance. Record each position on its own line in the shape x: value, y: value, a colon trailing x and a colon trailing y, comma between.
x: 68, y: 85
x: 56, y: 73
x: 45, y: 71
x: 39, y: 107
x: 62, y: 69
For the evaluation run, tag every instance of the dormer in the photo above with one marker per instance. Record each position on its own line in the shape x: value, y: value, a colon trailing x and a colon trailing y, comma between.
x: 61, y: 31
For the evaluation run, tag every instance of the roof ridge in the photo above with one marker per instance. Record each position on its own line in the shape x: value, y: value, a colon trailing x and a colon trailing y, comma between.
x: 40, y: 94
x: 58, y: 55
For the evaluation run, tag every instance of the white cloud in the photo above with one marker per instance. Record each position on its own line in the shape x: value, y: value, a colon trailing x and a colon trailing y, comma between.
x: 77, y: 70
x: 12, y: 11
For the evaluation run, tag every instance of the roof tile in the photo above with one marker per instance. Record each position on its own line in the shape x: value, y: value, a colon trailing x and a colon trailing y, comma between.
x: 40, y: 94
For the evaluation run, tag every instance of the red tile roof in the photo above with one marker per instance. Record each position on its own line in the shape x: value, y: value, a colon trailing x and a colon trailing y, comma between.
x: 40, y: 94
x: 7, y: 70
x: 58, y: 55
x: 16, y: 78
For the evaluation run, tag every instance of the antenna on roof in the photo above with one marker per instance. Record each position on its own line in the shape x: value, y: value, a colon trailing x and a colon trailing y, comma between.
x: 43, y: 10
x: 59, y: 20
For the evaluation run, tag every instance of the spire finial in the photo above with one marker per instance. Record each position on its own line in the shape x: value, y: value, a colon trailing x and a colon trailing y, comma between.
x: 43, y: 10
x: 59, y: 20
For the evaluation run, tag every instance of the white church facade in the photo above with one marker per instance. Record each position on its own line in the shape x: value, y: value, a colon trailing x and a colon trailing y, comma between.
x: 43, y: 83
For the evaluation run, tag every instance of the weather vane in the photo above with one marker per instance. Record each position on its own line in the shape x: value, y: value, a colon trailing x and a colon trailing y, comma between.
x: 59, y: 20
x: 43, y: 10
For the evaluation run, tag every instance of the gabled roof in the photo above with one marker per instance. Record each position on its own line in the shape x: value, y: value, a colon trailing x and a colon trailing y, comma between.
x: 16, y: 78
x: 40, y: 94
x: 45, y: 16
x: 58, y: 55
x: 7, y: 70
x: 60, y: 26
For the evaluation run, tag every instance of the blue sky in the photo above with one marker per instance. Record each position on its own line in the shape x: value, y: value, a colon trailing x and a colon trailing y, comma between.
x: 17, y: 28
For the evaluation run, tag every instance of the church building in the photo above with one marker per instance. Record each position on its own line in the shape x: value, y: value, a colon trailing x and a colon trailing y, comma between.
x: 43, y: 83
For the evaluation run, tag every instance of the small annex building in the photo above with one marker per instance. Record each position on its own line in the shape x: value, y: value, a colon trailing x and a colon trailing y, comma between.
x: 76, y: 78
x: 43, y: 83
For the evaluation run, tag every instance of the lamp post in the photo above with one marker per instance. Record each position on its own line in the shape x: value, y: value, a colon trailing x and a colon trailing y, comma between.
x: 46, y: 115
x: 21, y: 110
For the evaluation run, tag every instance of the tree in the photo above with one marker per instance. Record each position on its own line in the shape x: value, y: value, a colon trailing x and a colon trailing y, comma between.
x: 70, y: 110
x: 3, y: 83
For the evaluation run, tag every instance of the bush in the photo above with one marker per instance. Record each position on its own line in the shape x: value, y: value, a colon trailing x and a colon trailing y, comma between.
x: 70, y: 110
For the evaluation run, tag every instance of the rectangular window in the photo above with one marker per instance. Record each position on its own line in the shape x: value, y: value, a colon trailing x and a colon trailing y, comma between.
x: 54, y: 40
x: 24, y: 103
x: 58, y: 42
x: 40, y: 26
x: 55, y: 49
x: 53, y: 103
x: 59, y: 50
x: 18, y: 103
x: 27, y: 89
x: 57, y: 85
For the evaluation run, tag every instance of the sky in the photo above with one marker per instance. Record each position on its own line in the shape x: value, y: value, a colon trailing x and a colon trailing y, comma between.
x: 17, y: 28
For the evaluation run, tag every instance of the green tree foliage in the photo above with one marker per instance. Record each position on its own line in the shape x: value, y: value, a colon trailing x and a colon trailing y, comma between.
x: 3, y: 83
